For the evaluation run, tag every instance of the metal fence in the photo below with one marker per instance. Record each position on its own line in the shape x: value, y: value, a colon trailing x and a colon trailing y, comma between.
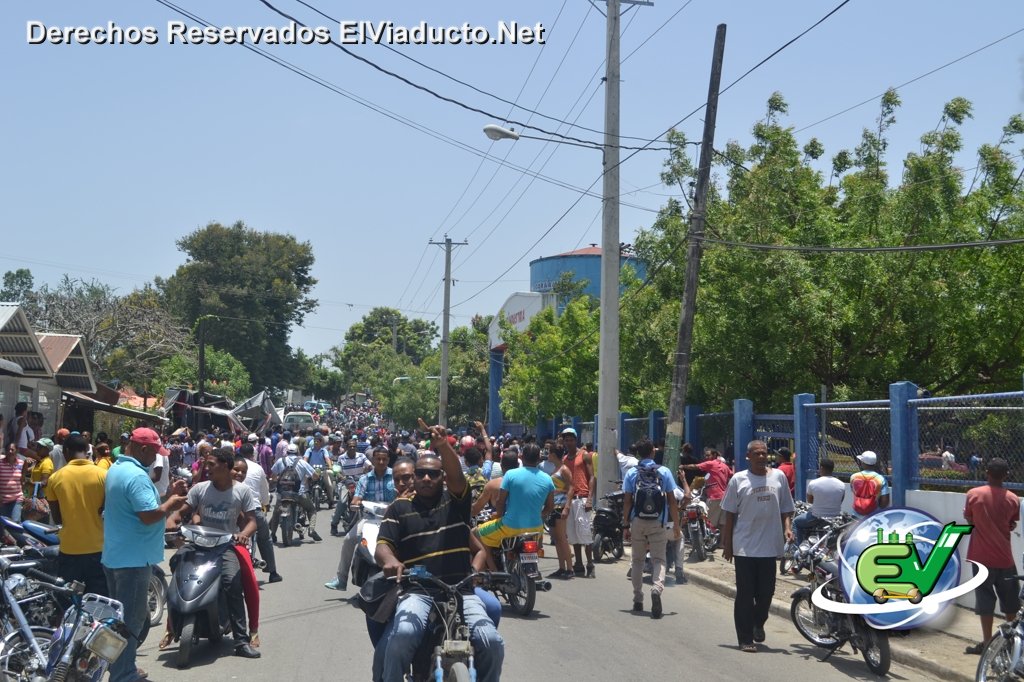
x: 716, y: 430
x: 586, y: 430
x: 776, y: 430
x: 846, y: 430
x: 635, y: 429
x: 956, y: 435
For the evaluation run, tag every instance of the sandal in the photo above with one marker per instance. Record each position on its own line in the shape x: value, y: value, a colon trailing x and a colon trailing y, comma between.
x: 975, y: 649
x: 166, y: 641
x: 141, y: 674
x: 254, y: 639
x: 748, y: 648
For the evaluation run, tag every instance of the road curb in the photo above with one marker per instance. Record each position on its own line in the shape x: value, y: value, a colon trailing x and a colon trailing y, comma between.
x: 900, y: 653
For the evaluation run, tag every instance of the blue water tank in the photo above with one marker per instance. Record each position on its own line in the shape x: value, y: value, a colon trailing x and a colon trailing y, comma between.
x: 584, y: 264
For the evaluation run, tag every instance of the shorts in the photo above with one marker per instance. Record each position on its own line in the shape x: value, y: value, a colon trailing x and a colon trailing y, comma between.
x: 577, y: 524
x: 494, y: 531
x: 1001, y: 582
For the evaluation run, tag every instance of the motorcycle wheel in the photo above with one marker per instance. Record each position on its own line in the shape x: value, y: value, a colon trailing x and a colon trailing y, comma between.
x: 812, y: 623
x: 186, y: 641
x: 786, y: 563
x: 16, y: 652
x: 618, y: 549
x: 875, y: 650
x: 458, y: 673
x: 157, y: 597
x: 598, y: 547
x: 698, y: 546
x: 522, y: 601
x: 287, y: 530
x: 995, y: 664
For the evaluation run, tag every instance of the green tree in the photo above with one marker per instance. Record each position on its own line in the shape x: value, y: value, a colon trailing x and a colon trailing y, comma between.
x: 225, y: 375
x: 17, y: 285
x: 410, y: 337
x: 412, y: 397
x: 257, y: 284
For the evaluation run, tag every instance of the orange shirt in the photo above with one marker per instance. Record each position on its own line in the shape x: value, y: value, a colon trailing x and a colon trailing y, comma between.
x: 992, y: 511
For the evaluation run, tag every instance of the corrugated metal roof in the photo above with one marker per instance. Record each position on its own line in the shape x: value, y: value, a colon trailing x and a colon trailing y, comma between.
x: 66, y: 355
x: 18, y: 343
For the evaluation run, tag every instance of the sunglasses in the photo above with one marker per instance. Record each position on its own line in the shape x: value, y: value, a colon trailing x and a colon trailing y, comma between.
x: 428, y: 473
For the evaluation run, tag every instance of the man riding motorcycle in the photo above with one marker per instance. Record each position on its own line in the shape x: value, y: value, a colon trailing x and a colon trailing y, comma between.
x: 318, y: 456
x: 432, y: 530
x: 305, y: 472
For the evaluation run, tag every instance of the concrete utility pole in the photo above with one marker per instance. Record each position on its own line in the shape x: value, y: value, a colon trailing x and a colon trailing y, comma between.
x: 442, y: 407
x: 681, y: 373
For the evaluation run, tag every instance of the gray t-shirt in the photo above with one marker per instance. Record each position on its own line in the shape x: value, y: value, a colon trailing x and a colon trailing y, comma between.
x: 758, y: 502
x: 828, y: 493
x: 221, y: 508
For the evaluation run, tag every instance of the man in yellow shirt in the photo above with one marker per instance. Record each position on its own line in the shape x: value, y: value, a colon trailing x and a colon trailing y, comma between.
x: 76, y: 496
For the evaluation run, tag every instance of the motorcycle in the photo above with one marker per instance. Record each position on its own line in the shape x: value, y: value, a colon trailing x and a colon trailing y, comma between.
x: 193, y: 597
x: 318, y: 487
x: 24, y: 650
x: 608, y: 526
x: 796, y: 555
x: 446, y: 654
x: 702, y: 538
x: 518, y: 557
x: 91, y: 637
x: 1003, y: 656
x: 293, y: 519
x: 828, y: 629
x: 368, y: 515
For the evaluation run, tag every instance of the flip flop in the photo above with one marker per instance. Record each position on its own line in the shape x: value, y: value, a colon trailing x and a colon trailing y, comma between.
x: 748, y: 648
x: 975, y: 649
x: 166, y: 641
x: 254, y: 639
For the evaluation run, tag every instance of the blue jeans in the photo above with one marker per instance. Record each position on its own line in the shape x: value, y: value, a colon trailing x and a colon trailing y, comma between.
x: 801, y: 524
x: 130, y: 586
x: 11, y: 510
x: 395, y: 651
x: 491, y: 605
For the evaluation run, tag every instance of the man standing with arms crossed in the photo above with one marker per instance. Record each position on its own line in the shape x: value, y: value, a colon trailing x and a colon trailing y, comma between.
x: 758, y: 510
x: 133, y: 537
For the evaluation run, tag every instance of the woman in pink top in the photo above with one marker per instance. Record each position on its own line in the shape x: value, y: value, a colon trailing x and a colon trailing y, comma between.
x: 11, y: 493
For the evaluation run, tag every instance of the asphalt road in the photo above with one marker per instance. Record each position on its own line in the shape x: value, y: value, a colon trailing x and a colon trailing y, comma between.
x: 582, y: 629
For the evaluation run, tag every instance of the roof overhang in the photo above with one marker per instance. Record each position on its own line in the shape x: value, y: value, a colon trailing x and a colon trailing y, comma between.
x: 18, y: 343
x: 66, y: 355
x: 72, y: 396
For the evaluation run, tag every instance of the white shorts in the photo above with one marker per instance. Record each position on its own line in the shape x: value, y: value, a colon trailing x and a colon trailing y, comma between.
x: 577, y: 524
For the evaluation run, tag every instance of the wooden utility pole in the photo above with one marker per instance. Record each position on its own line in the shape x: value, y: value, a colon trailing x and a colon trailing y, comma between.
x: 681, y: 372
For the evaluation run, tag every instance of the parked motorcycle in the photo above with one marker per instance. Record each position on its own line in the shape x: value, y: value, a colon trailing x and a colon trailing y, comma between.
x: 828, y: 629
x: 702, y: 538
x: 518, y: 557
x: 91, y: 637
x: 193, y: 596
x: 368, y: 515
x: 1003, y: 656
x: 25, y: 648
x: 446, y: 654
x: 607, y: 526
x: 796, y: 555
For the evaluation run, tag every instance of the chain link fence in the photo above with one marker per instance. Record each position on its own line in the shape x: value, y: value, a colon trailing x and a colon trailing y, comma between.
x: 844, y: 432
x: 776, y: 430
x: 716, y: 431
x: 957, y: 435
x: 635, y: 429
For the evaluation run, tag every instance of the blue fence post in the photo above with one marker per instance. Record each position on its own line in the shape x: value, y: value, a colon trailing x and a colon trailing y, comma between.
x: 623, y: 433
x: 655, y: 430
x: 903, y: 427
x: 692, y: 434
x: 495, y: 375
x: 542, y: 428
x: 742, y: 430
x: 805, y: 425
x: 576, y: 421
x: 597, y: 431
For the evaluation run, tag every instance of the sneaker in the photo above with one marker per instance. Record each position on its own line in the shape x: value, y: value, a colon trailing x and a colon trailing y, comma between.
x: 246, y: 650
x: 638, y: 606
x: 655, y: 606
x: 578, y: 569
x: 758, y: 633
x: 336, y: 584
x: 275, y: 578
x: 273, y: 538
x: 629, y: 573
x: 590, y: 571
x: 681, y: 578
x: 334, y: 532
x: 315, y: 536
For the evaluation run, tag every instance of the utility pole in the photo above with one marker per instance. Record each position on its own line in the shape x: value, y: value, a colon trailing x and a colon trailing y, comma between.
x: 681, y: 372
x: 442, y: 407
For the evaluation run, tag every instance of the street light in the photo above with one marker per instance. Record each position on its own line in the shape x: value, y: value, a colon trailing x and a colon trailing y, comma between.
x: 496, y: 132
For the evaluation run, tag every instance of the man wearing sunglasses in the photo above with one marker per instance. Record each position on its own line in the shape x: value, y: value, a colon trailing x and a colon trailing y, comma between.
x: 431, y: 529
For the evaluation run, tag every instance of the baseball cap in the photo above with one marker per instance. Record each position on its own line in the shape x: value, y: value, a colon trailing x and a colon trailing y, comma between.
x: 126, y: 436
x: 253, y: 438
x: 293, y: 448
x: 63, y: 433
x: 45, y: 443
x: 867, y: 457
x: 144, y: 436
x: 569, y: 431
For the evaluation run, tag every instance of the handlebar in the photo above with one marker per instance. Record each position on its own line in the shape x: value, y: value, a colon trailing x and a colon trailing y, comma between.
x: 485, y: 577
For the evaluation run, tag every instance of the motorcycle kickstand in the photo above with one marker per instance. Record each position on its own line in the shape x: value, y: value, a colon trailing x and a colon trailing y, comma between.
x: 832, y: 650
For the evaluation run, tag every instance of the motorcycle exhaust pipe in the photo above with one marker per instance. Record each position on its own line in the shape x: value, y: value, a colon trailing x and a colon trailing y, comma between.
x: 543, y: 585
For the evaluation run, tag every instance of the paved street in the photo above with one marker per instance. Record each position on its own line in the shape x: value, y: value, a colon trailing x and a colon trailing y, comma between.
x: 583, y: 628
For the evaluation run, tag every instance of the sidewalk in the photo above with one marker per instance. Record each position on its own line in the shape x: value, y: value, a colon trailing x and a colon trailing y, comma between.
x: 938, y: 652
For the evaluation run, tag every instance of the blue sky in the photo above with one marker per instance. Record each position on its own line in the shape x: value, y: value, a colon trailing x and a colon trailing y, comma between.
x: 114, y: 152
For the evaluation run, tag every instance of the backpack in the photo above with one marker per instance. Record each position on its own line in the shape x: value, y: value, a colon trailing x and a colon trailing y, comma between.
x: 476, y: 482
x: 649, y: 498
x: 289, y: 482
x: 865, y: 493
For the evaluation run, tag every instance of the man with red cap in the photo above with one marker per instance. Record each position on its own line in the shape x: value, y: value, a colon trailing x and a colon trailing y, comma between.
x: 133, y: 537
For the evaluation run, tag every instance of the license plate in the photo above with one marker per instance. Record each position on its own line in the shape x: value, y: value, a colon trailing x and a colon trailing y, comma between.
x: 528, y: 558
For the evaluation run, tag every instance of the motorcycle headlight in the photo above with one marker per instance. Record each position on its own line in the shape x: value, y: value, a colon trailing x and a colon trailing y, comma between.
x: 105, y: 643
x: 18, y: 585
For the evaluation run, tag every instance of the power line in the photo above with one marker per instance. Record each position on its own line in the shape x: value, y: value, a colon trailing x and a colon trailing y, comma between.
x: 912, y: 80
x: 862, y: 249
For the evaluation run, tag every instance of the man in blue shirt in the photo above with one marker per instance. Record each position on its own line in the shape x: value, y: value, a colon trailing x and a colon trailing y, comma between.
x: 133, y: 537
x: 652, y: 519
x: 317, y: 456
x: 378, y: 485
x: 526, y: 496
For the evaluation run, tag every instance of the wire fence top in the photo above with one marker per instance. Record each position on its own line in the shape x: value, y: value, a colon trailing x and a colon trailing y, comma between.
x: 984, y: 397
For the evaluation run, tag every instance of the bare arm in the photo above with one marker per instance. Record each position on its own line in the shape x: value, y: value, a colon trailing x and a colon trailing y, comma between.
x: 730, y: 520
x: 499, y: 504
x: 454, y: 478
x: 55, y: 512
x: 171, y: 504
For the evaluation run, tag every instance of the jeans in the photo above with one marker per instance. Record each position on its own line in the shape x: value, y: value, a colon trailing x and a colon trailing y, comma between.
x: 348, y: 550
x: 232, y: 596
x: 11, y: 510
x: 755, y: 586
x: 303, y: 502
x: 490, y: 602
x: 394, y: 653
x: 341, y: 510
x: 130, y: 586
x: 648, y: 535
x: 801, y: 524
x: 263, y: 542
x: 85, y: 568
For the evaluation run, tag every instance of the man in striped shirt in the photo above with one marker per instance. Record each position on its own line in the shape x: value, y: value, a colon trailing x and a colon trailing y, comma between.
x: 11, y: 495
x: 432, y: 530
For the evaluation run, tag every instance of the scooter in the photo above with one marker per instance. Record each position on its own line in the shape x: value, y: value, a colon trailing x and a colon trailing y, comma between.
x: 193, y: 597
x: 608, y: 526
x: 369, y: 516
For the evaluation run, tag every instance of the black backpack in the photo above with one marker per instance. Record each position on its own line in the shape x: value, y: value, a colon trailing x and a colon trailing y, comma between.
x: 289, y: 482
x: 649, y: 498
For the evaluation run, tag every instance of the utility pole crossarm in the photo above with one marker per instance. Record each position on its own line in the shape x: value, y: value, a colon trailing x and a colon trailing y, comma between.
x: 442, y: 407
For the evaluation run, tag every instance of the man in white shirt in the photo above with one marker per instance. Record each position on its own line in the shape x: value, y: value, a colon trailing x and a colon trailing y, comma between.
x: 626, y: 462
x: 160, y: 473
x: 257, y: 480
x: 825, y: 493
